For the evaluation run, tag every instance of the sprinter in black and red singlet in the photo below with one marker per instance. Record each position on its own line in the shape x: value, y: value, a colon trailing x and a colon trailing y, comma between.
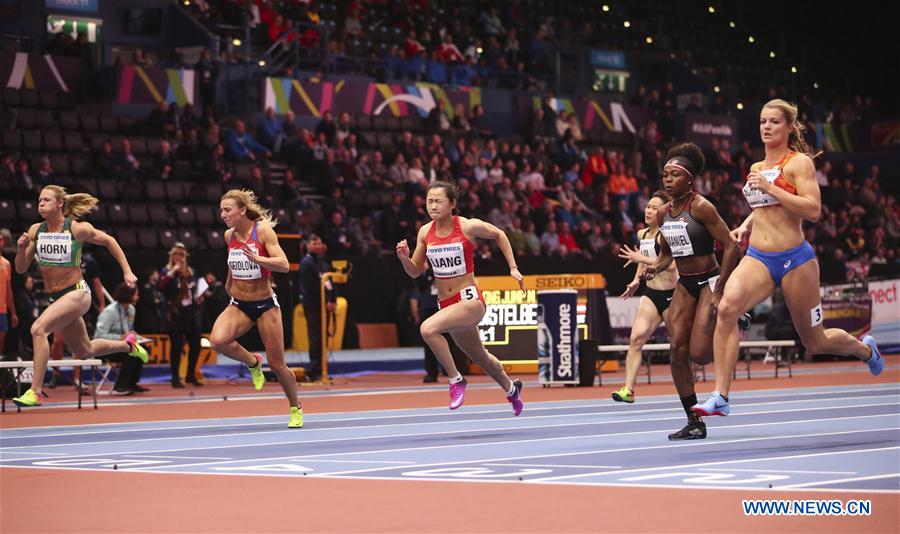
x: 447, y: 242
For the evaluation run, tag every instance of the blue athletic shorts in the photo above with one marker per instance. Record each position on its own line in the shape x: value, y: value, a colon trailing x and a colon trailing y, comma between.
x: 4, y: 323
x: 781, y: 263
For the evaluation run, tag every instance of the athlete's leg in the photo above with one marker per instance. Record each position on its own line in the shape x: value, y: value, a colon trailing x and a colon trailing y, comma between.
x: 231, y: 324
x: 801, y: 293
x: 701, y: 345
x: 681, y: 315
x: 65, y: 310
x: 271, y: 331
x: 469, y: 340
x: 462, y: 315
x: 645, y: 323
x: 749, y: 284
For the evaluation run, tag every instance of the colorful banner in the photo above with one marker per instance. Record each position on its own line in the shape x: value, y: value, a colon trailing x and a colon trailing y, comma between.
x: 19, y: 70
x: 853, y: 314
x: 885, y: 134
x: 609, y: 59
x: 594, y: 113
x: 701, y: 128
x: 149, y: 86
x: 90, y: 6
x: 312, y: 97
x: 886, y: 314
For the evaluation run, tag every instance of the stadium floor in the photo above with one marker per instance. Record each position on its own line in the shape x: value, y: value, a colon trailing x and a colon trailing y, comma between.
x: 381, y: 453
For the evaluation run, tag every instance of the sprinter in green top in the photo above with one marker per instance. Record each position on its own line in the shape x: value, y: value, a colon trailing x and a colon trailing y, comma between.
x: 56, y: 244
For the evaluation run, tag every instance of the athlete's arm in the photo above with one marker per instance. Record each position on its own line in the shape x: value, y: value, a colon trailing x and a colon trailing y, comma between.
x: 25, y: 249
x: 277, y: 260
x: 86, y: 233
x: 416, y: 265
x: 739, y: 233
x: 808, y: 201
x: 486, y: 230
x: 707, y: 215
x: 663, y: 260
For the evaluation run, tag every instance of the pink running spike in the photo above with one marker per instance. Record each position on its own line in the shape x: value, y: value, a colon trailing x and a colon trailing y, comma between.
x: 457, y: 394
x: 516, y: 398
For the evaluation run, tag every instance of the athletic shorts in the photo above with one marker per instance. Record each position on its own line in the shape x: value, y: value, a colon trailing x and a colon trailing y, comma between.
x: 781, y: 263
x: 694, y: 282
x: 80, y: 285
x: 255, y: 308
x: 661, y: 298
x: 466, y: 293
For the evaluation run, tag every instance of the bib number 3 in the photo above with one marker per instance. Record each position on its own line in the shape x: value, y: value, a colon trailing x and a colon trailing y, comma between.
x: 815, y: 316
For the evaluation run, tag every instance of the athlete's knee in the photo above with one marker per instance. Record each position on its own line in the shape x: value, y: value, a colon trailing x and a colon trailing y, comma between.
x: 678, y: 357
x: 38, y: 330
x: 638, y: 340
x: 728, y: 309
x: 219, y: 342
x: 703, y: 357
x: 429, y: 330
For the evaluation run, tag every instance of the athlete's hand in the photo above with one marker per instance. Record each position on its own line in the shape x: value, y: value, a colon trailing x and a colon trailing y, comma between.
x: 630, y: 289
x: 757, y: 181
x: 630, y: 254
x: 130, y: 279
x: 23, y: 242
x: 739, y: 234
x: 249, y: 253
x: 403, y: 249
x: 514, y: 272
x: 649, y: 272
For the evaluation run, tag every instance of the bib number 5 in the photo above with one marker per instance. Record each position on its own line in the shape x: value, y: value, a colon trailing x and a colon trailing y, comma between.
x: 469, y: 293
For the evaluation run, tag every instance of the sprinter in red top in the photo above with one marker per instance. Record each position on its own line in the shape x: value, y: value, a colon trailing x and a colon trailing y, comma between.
x: 447, y: 245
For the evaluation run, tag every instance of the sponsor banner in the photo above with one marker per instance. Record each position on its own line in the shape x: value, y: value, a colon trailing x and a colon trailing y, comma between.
x: 621, y: 317
x: 886, y: 313
x: 87, y: 6
x: 601, y: 113
x: 137, y: 85
x: 885, y: 134
x: 42, y: 72
x: 701, y: 128
x: 609, y: 59
x: 313, y: 97
x: 850, y: 313
x: 509, y: 328
x: 611, y: 81
x: 557, y: 336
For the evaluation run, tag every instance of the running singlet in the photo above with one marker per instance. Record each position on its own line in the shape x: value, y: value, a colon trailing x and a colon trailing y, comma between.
x: 241, y: 267
x: 649, y: 246
x: 57, y: 249
x: 450, y: 256
x: 685, y: 235
x: 758, y: 199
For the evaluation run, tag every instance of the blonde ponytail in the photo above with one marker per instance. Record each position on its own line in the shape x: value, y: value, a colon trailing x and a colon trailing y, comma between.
x: 76, y: 205
x: 255, y: 212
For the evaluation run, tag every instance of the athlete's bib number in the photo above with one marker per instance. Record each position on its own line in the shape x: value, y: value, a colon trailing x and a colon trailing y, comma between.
x: 468, y: 293
x: 54, y: 248
x: 648, y: 248
x: 677, y: 237
x: 241, y: 267
x: 757, y: 198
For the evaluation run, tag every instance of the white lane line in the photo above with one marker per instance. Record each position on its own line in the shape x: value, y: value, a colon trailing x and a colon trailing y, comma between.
x: 779, y: 471
x: 418, y: 412
x: 174, y: 457
x: 840, y: 480
x: 463, y: 421
x: 723, y: 462
x: 697, y: 443
x: 573, y: 466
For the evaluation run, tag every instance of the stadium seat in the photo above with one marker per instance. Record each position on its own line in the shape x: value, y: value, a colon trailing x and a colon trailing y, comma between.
x: 26, y: 119
x: 81, y: 164
x: 118, y: 215
x: 138, y: 146
x: 133, y: 192
x: 138, y: 213
x: 31, y: 98
x: 8, y: 211
x: 127, y: 237
x: 363, y: 121
x: 32, y: 140
x: 215, y: 239
x: 156, y: 191
x: 12, y: 97
x: 73, y: 141
x: 167, y: 238
x: 109, y: 124
x: 60, y: 163
x: 53, y: 141
x: 90, y: 122
x: 100, y: 214
x: 392, y: 123
x: 108, y: 189
x: 147, y: 238
x: 49, y: 99
x: 159, y: 215
x: 184, y: 215
x: 189, y: 238
x: 206, y: 215
x: 97, y: 140
x: 88, y: 185
x: 69, y: 120
x: 44, y: 119
x: 175, y: 191
x: 214, y: 192
x: 12, y: 140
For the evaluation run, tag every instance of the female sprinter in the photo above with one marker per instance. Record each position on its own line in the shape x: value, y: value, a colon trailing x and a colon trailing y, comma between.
x: 783, y: 192
x: 56, y: 244
x: 654, y: 304
x: 690, y: 224
x: 448, y: 243
x: 253, y: 253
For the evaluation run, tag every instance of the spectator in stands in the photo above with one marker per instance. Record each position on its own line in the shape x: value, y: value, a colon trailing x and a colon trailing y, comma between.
x: 312, y: 266
x: 362, y: 232
x: 178, y: 283
x: 241, y: 145
x: 217, y: 168
x: 480, y: 124
x: 163, y: 161
x: 327, y: 127
x: 337, y: 236
x: 271, y: 131
x: 28, y: 184
x: 149, y: 309
x: 155, y: 123
x: 127, y: 166
x: 139, y: 59
x: 8, y: 317
x: 438, y: 122
x: 115, y: 322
